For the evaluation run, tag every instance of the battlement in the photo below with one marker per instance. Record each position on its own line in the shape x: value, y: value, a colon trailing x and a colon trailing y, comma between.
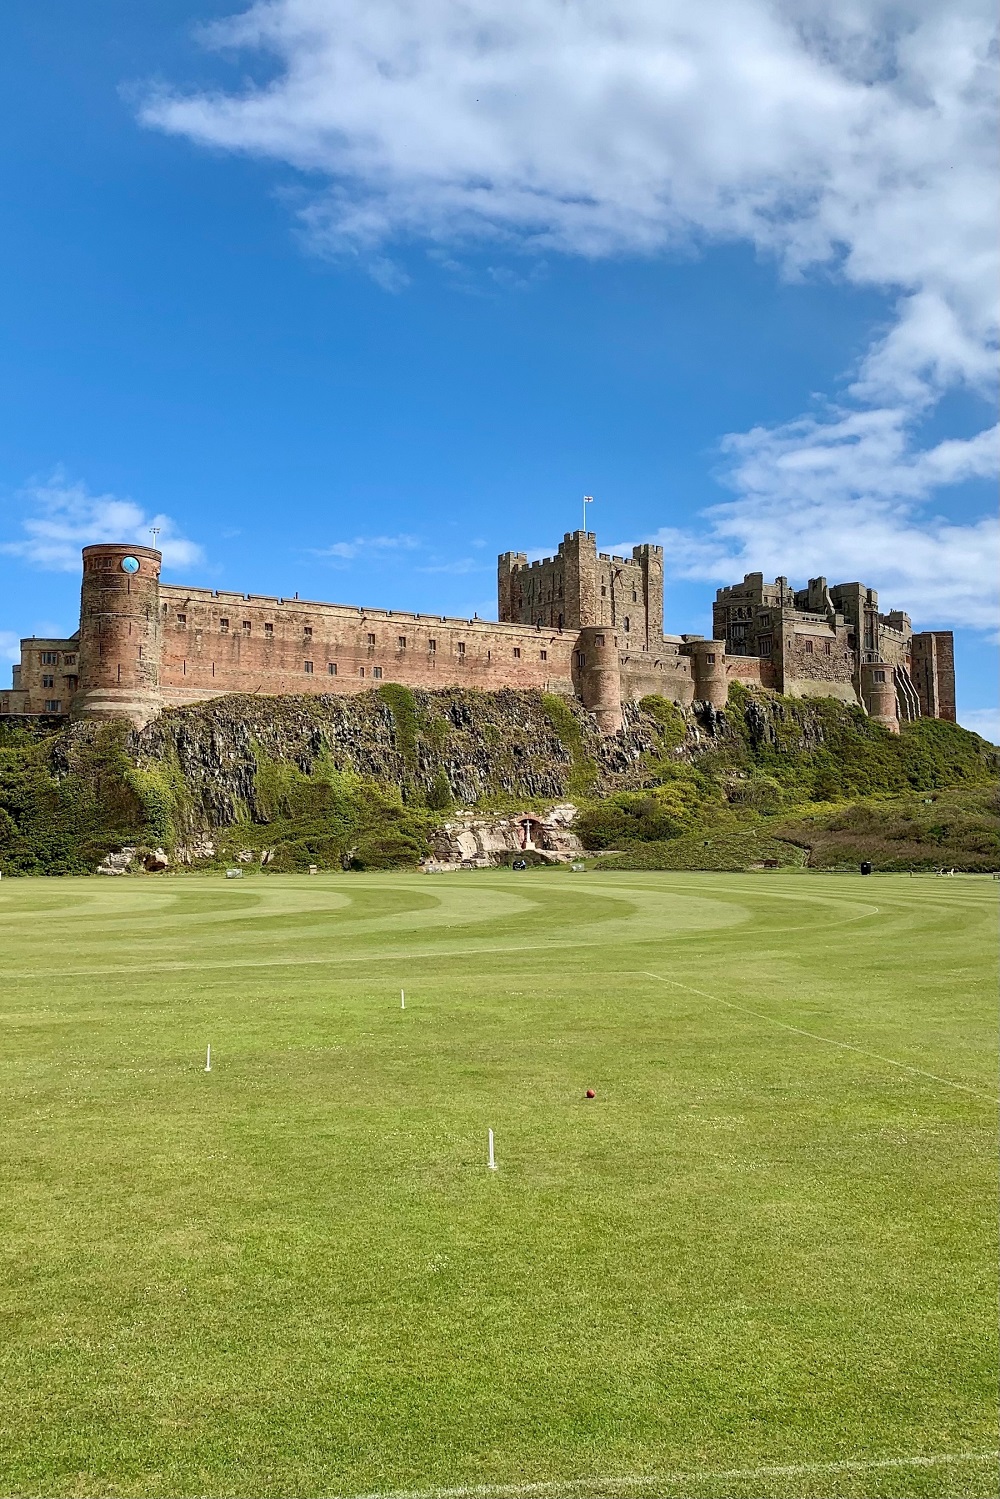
x: 580, y: 587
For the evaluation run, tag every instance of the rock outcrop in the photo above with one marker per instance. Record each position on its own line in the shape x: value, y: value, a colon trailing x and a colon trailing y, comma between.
x: 117, y: 863
x: 471, y: 842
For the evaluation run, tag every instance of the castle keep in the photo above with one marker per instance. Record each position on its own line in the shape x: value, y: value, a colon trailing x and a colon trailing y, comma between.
x: 581, y: 623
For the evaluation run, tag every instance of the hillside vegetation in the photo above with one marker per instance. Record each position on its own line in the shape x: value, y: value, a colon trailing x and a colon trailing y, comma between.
x: 362, y: 782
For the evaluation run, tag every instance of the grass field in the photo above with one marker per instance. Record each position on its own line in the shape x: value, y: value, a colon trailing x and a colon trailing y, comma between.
x: 759, y: 1263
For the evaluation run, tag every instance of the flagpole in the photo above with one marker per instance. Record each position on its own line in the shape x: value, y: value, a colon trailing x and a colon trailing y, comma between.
x: 588, y: 499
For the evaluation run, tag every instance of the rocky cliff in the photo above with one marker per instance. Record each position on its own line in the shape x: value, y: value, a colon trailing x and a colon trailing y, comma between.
x: 371, y: 780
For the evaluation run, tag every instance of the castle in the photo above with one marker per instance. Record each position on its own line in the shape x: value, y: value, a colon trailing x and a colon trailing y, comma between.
x: 580, y: 623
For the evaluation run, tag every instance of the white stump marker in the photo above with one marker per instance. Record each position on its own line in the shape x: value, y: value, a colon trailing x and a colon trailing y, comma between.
x: 402, y: 999
x: 208, y: 1060
x: 493, y: 1159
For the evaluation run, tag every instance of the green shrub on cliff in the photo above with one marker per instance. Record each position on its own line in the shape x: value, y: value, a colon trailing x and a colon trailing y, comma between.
x: 957, y: 829
x: 65, y: 808
x: 817, y: 749
x: 331, y: 818
x: 664, y: 811
x: 403, y: 707
x: 735, y: 849
x: 580, y: 782
x: 439, y: 797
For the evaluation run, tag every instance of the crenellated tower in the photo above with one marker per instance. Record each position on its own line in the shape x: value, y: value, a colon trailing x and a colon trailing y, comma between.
x: 120, y: 634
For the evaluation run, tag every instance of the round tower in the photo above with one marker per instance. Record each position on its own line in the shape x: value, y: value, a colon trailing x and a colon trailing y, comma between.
x: 708, y: 668
x: 878, y: 693
x: 120, y: 634
x: 599, y: 676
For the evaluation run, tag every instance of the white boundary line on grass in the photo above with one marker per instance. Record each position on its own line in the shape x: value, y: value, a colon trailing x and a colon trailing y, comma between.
x: 568, y: 1486
x: 827, y: 1040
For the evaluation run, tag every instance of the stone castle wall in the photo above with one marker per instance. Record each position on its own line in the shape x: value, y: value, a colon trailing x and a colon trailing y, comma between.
x: 580, y: 623
x: 215, y: 643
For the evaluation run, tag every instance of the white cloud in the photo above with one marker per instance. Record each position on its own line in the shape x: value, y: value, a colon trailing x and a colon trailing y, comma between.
x: 857, y: 138
x: 347, y: 551
x: 10, y: 646
x: 65, y: 517
x: 859, y: 134
x: 844, y: 497
x: 985, y: 721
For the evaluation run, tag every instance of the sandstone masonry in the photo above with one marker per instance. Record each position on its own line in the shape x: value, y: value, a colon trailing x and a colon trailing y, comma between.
x: 581, y: 623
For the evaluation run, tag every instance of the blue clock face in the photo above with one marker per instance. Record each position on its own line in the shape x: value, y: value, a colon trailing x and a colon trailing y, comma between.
x: 130, y: 564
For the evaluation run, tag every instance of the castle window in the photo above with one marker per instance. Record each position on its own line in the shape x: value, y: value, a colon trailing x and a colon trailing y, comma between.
x: 461, y: 647
x: 561, y: 619
x: 246, y: 627
x: 50, y: 658
x: 72, y: 683
x: 826, y: 648
x: 48, y: 681
x: 371, y: 638
x: 268, y: 629
x: 581, y: 659
x: 878, y: 676
x: 544, y: 655
x: 710, y: 657
x: 809, y: 648
x: 432, y: 645
x: 628, y: 623
x: 361, y: 671
x: 766, y: 645
x: 182, y: 620
x: 223, y: 627
x: 604, y: 592
x: 635, y: 597
x: 598, y: 639
x: 331, y: 667
x: 376, y: 671
x: 517, y: 653
x: 53, y: 705
x: 307, y: 667
x: 765, y: 619
x: 401, y: 642
x: 69, y: 661
x: 307, y: 631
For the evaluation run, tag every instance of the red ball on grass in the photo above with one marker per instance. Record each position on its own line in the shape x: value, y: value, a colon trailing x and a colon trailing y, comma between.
x: 591, y: 1093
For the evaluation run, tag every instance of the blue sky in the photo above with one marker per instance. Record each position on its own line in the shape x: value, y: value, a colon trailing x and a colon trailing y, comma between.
x: 349, y: 307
